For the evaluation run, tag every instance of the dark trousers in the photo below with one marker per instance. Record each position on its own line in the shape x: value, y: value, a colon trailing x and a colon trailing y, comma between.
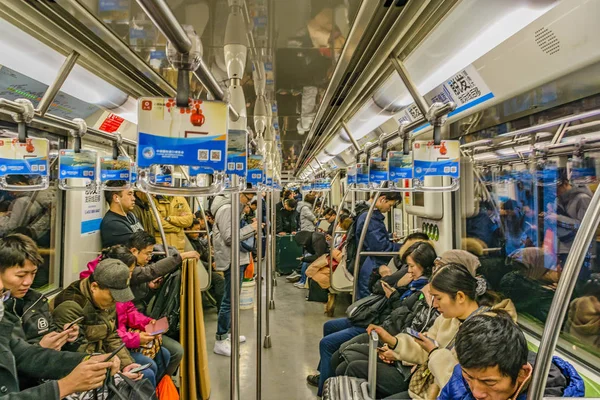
x: 224, y: 319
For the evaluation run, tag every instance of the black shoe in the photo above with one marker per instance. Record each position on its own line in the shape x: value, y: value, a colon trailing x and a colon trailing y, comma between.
x: 313, y: 380
x: 294, y: 279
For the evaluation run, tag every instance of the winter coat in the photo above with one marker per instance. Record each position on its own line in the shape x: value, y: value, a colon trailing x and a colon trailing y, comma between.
x: 33, y: 314
x: 583, y: 320
x: 571, y: 207
x: 117, y: 229
x: 307, y: 217
x: 128, y: 317
x: 563, y: 381
x: 143, y: 213
x: 287, y: 221
x: 313, y: 243
x: 17, y: 357
x: 529, y: 295
x: 180, y: 217
x: 221, y: 209
x: 98, y: 326
x: 442, y: 361
x: 376, y: 239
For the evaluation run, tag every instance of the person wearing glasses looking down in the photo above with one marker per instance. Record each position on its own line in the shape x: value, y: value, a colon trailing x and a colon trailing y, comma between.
x: 64, y: 373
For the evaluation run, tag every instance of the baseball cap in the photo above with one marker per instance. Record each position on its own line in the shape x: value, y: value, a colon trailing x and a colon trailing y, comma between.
x: 114, y: 275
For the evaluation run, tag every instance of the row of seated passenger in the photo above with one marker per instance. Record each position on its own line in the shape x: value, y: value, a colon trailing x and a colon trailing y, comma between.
x: 468, y: 343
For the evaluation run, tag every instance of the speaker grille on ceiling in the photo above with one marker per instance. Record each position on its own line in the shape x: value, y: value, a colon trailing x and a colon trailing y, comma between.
x: 547, y: 41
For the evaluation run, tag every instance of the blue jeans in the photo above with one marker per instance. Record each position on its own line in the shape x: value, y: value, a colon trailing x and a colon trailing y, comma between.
x: 224, y: 319
x: 335, y: 333
x: 304, y: 268
x: 157, y: 368
x: 364, y: 277
x: 175, y: 352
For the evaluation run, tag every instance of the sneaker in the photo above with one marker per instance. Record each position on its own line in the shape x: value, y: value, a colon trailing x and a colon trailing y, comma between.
x: 223, y: 347
x: 294, y: 279
x: 292, y: 275
x: 300, y: 285
x: 313, y: 380
x: 242, y: 338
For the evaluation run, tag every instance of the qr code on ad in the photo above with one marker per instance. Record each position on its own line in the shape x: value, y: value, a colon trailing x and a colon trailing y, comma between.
x: 230, y: 166
x: 464, y: 87
x: 215, y: 155
x: 203, y: 155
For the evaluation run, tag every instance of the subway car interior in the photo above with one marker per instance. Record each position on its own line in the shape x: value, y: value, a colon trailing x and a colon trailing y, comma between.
x: 308, y: 199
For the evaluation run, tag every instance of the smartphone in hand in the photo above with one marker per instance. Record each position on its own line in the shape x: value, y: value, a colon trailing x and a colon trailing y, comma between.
x: 160, y: 326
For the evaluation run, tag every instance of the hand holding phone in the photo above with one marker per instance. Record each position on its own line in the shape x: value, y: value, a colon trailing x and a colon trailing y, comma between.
x: 158, y: 327
x: 139, y: 369
x: 78, y: 320
x: 114, y: 353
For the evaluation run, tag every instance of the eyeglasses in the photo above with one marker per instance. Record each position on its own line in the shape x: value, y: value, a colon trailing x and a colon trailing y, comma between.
x: 5, y: 295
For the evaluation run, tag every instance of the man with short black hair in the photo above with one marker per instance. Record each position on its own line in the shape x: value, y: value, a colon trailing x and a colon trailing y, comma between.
x: 119, y: 223
x: 496, y: 364
x: 287, y: 218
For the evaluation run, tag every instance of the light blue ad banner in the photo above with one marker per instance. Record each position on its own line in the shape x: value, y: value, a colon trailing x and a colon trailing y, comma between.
x: 33, y: 166
x: 80, y: 165
x: 236, y: 152
x: 436, y: 168
x: 399, y: 173
x: 254, y: 176
x: 199, y: 152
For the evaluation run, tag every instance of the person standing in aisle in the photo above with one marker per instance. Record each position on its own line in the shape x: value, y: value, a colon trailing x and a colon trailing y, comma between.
x: 221, y: 209
x: 175, y: 216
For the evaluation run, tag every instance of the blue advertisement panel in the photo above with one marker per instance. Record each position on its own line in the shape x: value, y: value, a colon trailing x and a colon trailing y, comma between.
x: 237, y: 145
x: 378, y: 171
x: 399, y: 166
x: 255, y: 173
x: 29, y: 158
x: 352, y: 175
x: 115, y: 170
x: 362, y: 174
x: 192, y: 136
x: 80, y: 165
x: 436, y: 160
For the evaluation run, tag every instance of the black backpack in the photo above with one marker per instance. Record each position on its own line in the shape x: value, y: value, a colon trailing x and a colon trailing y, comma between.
x: 352, y: 238
x: 167, y: 303
x: 131, y: 390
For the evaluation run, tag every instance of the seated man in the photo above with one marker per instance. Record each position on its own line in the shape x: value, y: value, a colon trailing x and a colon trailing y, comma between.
x: 119, y: 222
x: 66, y: 373
x: 496, y: 364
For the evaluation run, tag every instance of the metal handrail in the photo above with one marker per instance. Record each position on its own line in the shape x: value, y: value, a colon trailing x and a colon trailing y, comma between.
x: 379, y: 253
x: 146, y: 185
x: 259, y: 305
x: 363, y: 235
x: 331, y: 248
x: 562, y: 297
x: 268, y: 277
x: 235, y: 294
x: 156, y: 214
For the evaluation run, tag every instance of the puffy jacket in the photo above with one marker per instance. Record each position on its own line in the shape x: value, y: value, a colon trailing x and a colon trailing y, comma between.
x: 377, y: 239
x: 313, y: 243
x: 221, y: 209
x: 563, y: 381
x: 180, y: 216
x: 307, y: 217
x: 442, y: 361
x: 33, y: 313
x: 98, y: 326
x: 17, y: 357
x: 129, y: 317
x: 287, y: 221
x: 143, y: 213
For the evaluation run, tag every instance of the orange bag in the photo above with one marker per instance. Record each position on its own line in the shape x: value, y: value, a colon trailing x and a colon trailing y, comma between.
x: 249, y: 274
x: 166, y: 390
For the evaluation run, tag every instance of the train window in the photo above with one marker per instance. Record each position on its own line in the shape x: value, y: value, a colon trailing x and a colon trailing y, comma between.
x: 523, y: 233
x: 418, y: 199
x: 37, y: 214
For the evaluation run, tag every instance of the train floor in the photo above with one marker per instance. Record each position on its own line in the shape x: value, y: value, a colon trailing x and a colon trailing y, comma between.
x: 296, y: 328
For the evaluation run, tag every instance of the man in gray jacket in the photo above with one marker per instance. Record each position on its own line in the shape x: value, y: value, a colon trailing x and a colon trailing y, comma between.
x: 305, y: 210
x: 221, y: 209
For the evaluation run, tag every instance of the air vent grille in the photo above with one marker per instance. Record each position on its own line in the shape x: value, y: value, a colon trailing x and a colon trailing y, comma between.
x: 547, y: 41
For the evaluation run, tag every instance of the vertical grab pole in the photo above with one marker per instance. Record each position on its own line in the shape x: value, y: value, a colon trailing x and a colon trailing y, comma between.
x: 259, y: 291
x: 273, y: 252
x: 269, y: 282
x: 361, y: 242
x: 208, y: 241
x: 235, y: 292
x: 335, y: 224
x: 562, y: 298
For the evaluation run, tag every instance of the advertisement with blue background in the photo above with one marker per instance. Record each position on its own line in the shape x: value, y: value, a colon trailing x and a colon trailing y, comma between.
x: 432, y: 160
x: 30, y: 157
x: 193, y: 136
x: 255, y: 173
x: 399, y: 166
x: 351, y: 175
x: 115, y: 170
x: 77, y: 165
x: 378, y: 171
x: 362, y: 174
x: 237, y: 145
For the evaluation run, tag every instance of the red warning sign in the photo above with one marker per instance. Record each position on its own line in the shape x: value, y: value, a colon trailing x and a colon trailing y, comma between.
x: 112, y: 123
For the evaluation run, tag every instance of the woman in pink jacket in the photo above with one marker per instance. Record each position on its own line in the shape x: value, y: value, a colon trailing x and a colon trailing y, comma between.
x: 128, y: 317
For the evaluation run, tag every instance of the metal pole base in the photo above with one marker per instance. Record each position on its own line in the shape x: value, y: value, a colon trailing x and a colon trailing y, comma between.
x: 272, y: 304
x: 267, y: 344
x: 274, y: 282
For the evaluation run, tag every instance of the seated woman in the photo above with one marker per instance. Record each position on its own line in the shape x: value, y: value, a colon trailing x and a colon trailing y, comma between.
x: 419, y: 257
x: 94, y: 299
x: 457, y: 295
x: 532, y: 284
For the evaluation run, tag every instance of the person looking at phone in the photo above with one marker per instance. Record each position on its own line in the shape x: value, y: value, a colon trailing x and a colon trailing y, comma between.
x: 69, y: 373
x: 457, y: 295
x: 94, y: 299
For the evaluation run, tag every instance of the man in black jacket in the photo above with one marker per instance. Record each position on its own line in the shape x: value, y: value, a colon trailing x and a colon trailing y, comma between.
x: 287, y: 218
x: 66, y: 373
x: 119, y: 223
